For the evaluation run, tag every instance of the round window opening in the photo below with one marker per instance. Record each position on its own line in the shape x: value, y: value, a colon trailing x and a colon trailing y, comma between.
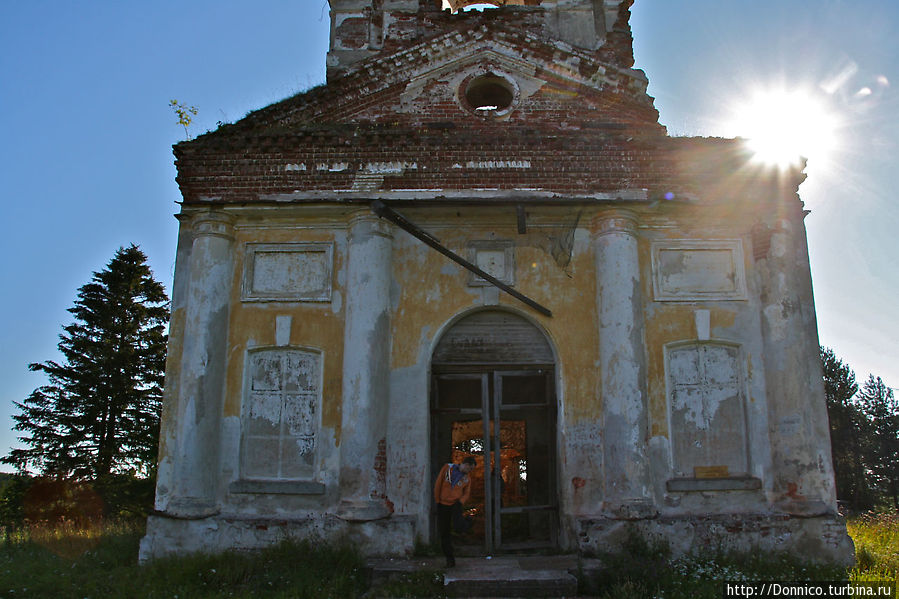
x: 489, y: 93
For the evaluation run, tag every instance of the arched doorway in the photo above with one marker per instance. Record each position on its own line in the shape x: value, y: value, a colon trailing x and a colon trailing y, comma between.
x: 493, y: 398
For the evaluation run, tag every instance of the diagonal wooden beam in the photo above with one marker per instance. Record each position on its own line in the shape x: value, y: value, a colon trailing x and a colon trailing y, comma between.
x: 383, y: 211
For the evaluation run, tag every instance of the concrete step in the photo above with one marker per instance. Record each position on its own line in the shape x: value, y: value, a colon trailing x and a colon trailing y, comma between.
x: 504, y: 577
x: 497, y: 576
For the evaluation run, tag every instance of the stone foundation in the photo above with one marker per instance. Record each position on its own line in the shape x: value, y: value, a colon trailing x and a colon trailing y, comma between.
x: 820, y: 538
x: 394, y: 536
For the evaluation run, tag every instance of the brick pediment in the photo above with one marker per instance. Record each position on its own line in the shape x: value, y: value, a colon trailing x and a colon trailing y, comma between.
x: 421, y: 84
x: 403, y: 124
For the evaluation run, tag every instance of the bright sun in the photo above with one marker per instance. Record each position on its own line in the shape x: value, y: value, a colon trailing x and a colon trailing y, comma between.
x: 782, y: 126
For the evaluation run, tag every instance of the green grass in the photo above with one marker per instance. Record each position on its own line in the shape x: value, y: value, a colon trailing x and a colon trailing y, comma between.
x: 644, y: 569
x: 702, y: 577
x: 876, y: 547
x: 102, y: 562
x: 99, y: 562
x: 424, y: 583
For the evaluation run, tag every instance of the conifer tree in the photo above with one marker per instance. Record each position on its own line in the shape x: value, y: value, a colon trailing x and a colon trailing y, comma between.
x: 849, y: 433
x: 882, y: 411
x: 98, y: 414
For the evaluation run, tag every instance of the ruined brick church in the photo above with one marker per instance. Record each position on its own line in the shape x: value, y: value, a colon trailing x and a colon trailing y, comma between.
x: 477, y: 240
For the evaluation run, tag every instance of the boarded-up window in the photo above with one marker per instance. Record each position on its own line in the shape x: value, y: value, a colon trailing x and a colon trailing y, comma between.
x: 706, y: 409
x: 280, y: 414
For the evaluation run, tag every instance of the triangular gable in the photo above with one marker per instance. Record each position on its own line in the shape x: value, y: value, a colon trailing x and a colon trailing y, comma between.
x: 381, y: 87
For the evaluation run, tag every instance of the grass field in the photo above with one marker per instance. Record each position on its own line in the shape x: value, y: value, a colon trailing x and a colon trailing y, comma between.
x: 101, y: 562
x: 876, y: 547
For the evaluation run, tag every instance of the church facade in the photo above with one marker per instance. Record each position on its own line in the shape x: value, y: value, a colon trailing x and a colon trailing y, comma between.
x: 477, y: 240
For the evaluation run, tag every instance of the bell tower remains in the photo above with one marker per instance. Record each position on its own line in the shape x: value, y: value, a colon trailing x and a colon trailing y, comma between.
x: 361, y: 29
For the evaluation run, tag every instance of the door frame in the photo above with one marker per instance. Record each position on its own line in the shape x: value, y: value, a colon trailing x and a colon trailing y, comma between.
x: 491, y: 376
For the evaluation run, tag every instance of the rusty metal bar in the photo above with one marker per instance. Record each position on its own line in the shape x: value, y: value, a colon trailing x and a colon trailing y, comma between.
x: 383, y: 211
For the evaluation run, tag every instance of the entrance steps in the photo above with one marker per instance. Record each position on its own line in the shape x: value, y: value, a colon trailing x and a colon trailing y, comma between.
x: 500, y: 576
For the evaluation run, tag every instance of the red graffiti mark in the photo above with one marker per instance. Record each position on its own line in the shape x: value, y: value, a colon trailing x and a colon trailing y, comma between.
x: 793, y: 492
x: 578, y: 482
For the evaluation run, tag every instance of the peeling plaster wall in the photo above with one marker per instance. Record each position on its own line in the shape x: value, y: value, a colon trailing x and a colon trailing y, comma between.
x: 729, y: 321
x: 315, y: 325
x: 432, y: 292
x: 642, y: 245
x: 427, y: 294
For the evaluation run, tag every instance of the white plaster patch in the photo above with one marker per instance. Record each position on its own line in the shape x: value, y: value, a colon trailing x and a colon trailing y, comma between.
x: 367, y: 181
x: 490, y: 296
x: 689, y: 270
x: 340, y: 17
x: 495, y: 257
x: 288, y: 272
x: 282, y: 329
x: 389, y: 167
x: 497, y: 164
x: 230, y: 446
x: 702, y: 319
x: 493, y: 262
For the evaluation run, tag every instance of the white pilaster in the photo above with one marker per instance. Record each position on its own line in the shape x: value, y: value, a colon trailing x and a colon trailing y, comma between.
x: 800, y: 434
x: 366, y: 370
x: 201, y: 381
x: 622, y: 366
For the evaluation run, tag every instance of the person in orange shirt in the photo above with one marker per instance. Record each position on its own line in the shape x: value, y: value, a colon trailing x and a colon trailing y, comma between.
x: 451, y: 491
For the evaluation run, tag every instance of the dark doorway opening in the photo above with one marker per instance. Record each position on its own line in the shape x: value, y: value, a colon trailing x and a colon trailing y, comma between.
x: 503, y: 414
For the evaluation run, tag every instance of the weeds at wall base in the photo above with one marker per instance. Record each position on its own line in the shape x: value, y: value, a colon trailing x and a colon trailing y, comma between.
x: 645, y: 568
x: 36, y: 562
x: 68, y: 561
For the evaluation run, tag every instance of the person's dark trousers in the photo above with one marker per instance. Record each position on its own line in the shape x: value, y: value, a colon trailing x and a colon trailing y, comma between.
x: 449, y: 517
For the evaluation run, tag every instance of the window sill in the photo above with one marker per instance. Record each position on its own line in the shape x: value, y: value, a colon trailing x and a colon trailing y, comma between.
x: 745, y: 483
x: 278, y: 487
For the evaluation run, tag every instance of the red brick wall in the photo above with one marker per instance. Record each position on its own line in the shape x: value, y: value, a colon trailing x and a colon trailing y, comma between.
x: 593, y: 131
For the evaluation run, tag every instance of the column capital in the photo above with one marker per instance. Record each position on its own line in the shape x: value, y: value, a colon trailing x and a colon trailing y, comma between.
x: 614, y: 220
x: 365, y: 221
x: 213, y: 223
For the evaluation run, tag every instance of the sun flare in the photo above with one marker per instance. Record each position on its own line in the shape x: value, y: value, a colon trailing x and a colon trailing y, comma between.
x: 783, y: 126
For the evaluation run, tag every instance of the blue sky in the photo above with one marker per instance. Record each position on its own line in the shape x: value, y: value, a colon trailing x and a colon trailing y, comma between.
x: 86, y: 163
